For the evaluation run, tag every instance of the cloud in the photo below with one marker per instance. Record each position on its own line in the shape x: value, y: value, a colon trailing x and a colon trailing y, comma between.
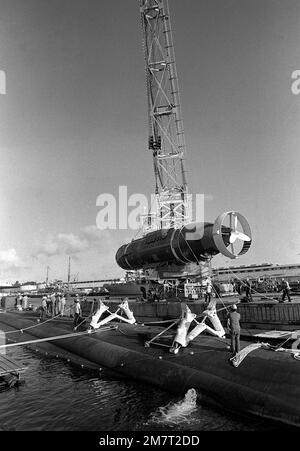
x: 9, y: 259
x: 88, y: 238
x: 11, y: 263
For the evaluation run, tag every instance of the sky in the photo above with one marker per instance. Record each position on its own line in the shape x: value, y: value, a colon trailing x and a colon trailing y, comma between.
x: 73, y: 125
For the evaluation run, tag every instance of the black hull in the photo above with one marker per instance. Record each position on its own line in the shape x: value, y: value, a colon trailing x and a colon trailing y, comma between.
x: 266, y: 384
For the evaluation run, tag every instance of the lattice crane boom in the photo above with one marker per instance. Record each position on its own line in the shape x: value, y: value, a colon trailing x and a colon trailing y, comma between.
x: 166, y: 133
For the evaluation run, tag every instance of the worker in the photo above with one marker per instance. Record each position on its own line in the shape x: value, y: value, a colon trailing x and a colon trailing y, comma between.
x: 43, y: 308
x: 52, y: 305
x: 18, y: 303
x: 17, y: 298
x: 248, y: 290
x: 49, y: 304
x: 285, y: 286
x: 237, y: 286
x: 208, y: 291
x: 149, y: 295
x: 233, y: 323
x: 25, y: 302
x: 77, y: 312
x: 63, y: 304
x: 143, y: 294
x: 57, y: 304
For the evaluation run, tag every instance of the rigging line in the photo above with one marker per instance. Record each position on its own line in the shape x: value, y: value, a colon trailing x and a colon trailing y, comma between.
x: 57, y: 337
x: 227, y: 309
x: 197, y: 260
x: 38, y: 324
x: 219, y: 297
x: 244, y: 284
x: 84, y: 320
x: 281, y: 344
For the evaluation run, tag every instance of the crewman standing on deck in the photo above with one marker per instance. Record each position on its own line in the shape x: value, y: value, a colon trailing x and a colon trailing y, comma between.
x: 18, y: 302
x: 285, y: 286
x: 25, y: 302
x: 48, y: 301
x: 248, y: 289
x: 57, y: 304
x: 43, y: 309
x: 208, y: 291
x: 233, y: 323
x: 63, y: 304
x: 52, y: 305
x: 77, y: 312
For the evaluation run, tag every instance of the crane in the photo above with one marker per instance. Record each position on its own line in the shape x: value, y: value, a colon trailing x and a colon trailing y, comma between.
x: 166, y: 133
x: 172, y: 246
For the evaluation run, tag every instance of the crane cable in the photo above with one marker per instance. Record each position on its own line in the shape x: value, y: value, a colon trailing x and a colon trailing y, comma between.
x: 244, y: 284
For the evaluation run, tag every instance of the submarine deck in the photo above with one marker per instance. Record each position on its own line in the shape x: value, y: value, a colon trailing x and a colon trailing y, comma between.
x: 265, y: 384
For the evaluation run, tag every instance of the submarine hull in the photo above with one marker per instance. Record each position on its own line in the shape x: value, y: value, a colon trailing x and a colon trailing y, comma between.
x: 266, y: 384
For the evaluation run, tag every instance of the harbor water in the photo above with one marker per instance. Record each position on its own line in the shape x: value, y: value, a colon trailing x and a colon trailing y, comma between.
x: 61, y: 396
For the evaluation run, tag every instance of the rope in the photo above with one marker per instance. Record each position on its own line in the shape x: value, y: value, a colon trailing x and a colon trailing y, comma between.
x: 158, y: 322
x: 84, y: 320
x: 247, y: 330
x: 245, y: 285
x: 57, y: 337
x: 283, y: 343
x: 38, y: 324
x: 219, y: 297
x: 197, y: 260
x: 221, y: 340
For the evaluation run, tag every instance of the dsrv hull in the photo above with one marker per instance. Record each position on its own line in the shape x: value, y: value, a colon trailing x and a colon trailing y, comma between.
x: 187, y: 245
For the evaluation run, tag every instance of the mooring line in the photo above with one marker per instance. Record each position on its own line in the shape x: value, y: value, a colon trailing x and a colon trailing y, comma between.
x: 39, y: 323
x: 56, y: 337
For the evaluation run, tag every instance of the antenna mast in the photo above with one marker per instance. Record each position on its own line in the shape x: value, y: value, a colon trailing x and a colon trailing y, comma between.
x: 47, y: 276
x: 69, y: 270
x: 166, y: 134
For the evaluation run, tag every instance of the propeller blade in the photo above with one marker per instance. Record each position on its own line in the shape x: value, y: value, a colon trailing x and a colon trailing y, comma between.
x: 236, y: 235
x: 242, y: 236
x: 235, y: 223
x: 232, y: 238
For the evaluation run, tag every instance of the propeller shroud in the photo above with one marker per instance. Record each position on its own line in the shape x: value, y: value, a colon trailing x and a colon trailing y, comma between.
x: 219, y: 234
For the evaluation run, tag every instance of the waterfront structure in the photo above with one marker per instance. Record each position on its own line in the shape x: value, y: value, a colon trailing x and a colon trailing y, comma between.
x: 258, y: 273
